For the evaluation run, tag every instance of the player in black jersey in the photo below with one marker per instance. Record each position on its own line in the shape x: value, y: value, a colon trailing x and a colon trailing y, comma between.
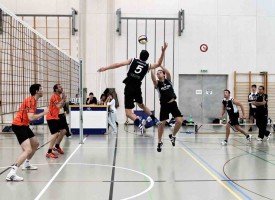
x: 252, y: 108
x: 230, y: 105
x: 138, y: 68
x: 168, y: 103
x: 261, y: 113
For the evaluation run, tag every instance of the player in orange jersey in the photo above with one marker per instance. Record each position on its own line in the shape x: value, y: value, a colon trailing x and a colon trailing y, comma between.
x: 25, y: 136
x: 57, y: 128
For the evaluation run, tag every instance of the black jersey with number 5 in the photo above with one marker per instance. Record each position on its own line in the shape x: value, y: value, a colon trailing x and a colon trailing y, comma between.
x: 137, y: 71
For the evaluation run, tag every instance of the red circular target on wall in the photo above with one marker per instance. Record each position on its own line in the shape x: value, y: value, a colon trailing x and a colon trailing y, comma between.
x: 203, y: 48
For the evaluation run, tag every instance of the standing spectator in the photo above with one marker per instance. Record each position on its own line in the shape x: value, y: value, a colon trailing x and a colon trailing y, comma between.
x: 62, y: 117
x: 261, y: 113
x: 102, y: 100
x: 91, y: 99
x: 111, y: 102
x: 252, y: 108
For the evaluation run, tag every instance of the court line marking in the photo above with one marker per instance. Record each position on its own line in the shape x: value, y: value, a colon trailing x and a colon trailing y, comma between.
x: 191, y: 154
x: 60, y: 169
x: 128, y: 169
x: 152, y: 182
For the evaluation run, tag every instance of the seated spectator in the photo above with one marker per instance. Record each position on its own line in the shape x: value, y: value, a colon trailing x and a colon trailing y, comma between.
x: 91, y: 99
x: 102, y: 100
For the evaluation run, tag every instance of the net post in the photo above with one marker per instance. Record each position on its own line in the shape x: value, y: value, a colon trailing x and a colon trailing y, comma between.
x: 80, y: 103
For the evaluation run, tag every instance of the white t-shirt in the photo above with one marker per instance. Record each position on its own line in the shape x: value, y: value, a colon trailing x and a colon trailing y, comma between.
x: 112, y: 105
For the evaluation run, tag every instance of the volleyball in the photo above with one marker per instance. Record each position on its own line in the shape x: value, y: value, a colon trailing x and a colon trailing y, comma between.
x: 142, y: 39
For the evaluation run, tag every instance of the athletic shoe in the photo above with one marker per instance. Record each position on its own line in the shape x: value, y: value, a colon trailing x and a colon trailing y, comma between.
x: 59, y: 150
x: 141, y: 126
x: 157, y: 122
x: 172, y: 139
x: 249, y: 138
x: 268, y: 137
x: 259, y: 139
x: 143, y: 123
x: 51, y: 155
x: 30, y: 167
x: 224, y: 143
x: 159, y: 147
x: 14, y: 177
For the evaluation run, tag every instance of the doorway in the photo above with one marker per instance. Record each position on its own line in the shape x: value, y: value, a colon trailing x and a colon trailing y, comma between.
x: 200, y: 96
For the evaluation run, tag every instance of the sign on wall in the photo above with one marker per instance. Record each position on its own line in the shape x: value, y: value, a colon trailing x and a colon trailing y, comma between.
x: 203, y: 48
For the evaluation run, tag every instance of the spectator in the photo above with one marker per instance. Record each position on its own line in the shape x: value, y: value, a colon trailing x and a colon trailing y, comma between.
x: 261, y: 113
x: 252, y: 108
x: 91, y: 99
x: 102, y: 100
x: 110, y: 101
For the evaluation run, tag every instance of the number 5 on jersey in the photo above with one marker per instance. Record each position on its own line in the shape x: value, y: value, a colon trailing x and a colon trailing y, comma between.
x: 138, y: 69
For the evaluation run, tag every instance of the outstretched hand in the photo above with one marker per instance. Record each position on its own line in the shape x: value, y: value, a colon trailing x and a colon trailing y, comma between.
x: 163, y: 48
x: 101, y: 69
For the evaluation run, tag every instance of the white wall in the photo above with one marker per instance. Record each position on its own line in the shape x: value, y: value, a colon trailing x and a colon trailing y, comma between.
x: 240, y: 35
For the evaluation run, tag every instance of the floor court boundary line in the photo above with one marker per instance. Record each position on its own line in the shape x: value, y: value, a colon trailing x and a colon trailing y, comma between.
x: 200, y: 162
x: 56, y: 174
x: 8, y: 167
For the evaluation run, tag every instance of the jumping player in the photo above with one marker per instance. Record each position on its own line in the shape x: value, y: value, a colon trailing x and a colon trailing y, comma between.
x: 138, y: 68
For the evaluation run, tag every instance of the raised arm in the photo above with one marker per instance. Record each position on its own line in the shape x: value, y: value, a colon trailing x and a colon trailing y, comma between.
x: 153, y: 77
x: 115, y: 65
x: 163, y: 48
x: 62, y: 102
x: 167, y: 73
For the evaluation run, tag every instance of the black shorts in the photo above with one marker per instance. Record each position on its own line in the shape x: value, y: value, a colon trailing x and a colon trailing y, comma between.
x: 22, y: 133
x: 234, y: 120
x: 63, y: 121
x: 252, y: 112
x: 55, y: 125
x: 132, y: 94
x: 166, y: 109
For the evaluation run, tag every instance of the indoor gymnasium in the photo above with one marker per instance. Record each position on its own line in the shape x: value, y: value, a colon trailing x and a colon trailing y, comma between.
x: 144, y: 100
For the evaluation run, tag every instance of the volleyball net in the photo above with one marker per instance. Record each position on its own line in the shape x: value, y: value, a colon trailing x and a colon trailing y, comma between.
x: 27, y: 57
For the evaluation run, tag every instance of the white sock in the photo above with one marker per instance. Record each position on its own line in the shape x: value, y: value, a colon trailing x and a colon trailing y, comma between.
x: 13, y: 169
x: 27, y: 163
